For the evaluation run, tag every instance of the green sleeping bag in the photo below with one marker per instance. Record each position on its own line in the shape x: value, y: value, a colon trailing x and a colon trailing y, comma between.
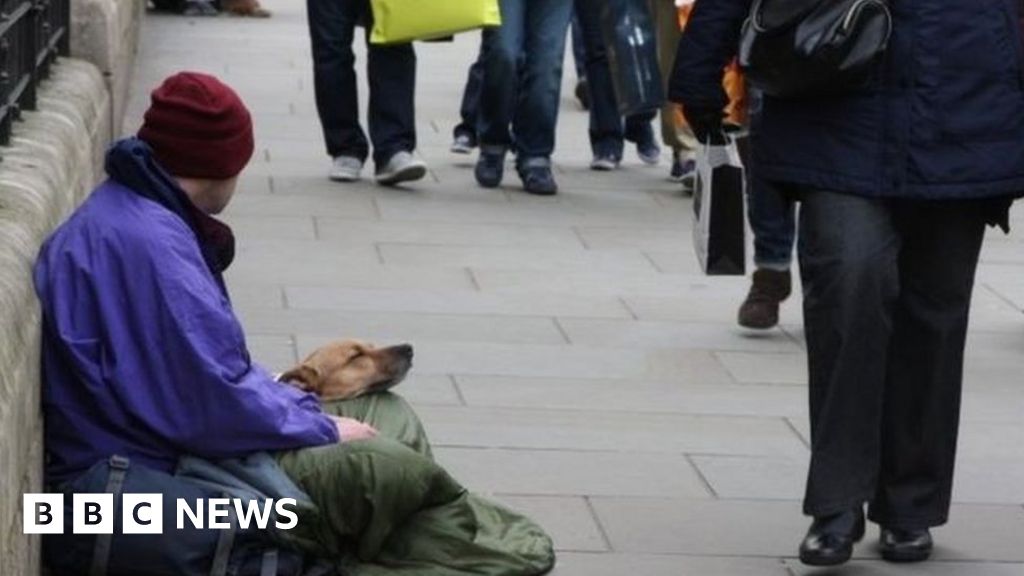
x: 386, y: 508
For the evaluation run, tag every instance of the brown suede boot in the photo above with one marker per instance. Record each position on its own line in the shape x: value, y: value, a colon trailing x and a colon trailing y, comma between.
x: 250, y: 8
x: 760, y: 310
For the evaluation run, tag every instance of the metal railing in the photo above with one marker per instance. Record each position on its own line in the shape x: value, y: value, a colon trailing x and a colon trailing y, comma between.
x: 32, y: 34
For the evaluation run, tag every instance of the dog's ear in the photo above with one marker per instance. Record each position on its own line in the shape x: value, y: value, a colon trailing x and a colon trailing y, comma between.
x: 304, y: 377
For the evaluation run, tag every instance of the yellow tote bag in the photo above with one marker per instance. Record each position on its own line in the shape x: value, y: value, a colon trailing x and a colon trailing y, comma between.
x: 396, y: 21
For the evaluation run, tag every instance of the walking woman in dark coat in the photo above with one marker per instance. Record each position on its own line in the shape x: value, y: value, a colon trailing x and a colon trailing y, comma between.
x: 897, y: 181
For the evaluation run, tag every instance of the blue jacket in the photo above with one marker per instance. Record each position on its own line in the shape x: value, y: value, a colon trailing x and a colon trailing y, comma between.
x: 142, y: 353
x: 943, y: 118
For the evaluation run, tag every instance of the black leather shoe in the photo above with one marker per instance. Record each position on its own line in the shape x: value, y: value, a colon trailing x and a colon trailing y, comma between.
x: 898, y: 545
x: 830, y: 540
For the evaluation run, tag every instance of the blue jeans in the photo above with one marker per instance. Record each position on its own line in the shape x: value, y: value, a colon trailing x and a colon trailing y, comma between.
x: 579, y: 52
x: 607, y: 132
x: 772, y: 218
x: 772, y: 213
x: 533, y: 31
x: 392, y: 75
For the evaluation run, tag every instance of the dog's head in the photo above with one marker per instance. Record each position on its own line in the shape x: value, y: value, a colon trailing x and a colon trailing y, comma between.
x: 350, y: 368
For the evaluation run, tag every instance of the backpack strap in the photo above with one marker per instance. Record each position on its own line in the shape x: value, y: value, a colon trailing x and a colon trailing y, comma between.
x: 268, y: 567
x: 224, y: 544
x: 115, y: 484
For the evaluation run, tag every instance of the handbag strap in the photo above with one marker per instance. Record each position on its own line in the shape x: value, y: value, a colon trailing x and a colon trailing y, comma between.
x: 115, y: 484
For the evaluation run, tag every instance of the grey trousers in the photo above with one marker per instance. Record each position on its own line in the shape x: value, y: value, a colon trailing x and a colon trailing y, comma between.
x: 887, y: 291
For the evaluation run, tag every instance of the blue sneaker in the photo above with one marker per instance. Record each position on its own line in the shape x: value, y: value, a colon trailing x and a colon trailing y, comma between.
x: 682, y: 169
x: 490, y: 169
x: 538, y: 180
x: 649, y: 153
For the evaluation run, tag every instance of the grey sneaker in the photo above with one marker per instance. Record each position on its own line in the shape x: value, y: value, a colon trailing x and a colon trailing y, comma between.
x: 402, y: 167
x: 200, y: 8
x: 346, y: 169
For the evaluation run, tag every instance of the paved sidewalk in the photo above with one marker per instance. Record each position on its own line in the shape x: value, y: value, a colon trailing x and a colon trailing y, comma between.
x: 570, y: 360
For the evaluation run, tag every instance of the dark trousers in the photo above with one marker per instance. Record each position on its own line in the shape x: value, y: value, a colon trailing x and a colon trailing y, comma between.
x: 887, y: 290
x: 607, y: 130
x: 391, y: 71
x: 470, y: 107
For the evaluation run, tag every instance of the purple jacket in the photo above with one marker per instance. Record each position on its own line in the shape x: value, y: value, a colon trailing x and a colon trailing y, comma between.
x: 142, y: 353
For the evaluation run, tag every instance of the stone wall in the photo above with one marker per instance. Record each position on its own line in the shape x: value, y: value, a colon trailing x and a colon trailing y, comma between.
x: 106, y: 33
x: 53, y: 161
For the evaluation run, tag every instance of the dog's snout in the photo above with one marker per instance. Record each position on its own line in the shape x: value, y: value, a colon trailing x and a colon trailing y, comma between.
x: 404, y: 350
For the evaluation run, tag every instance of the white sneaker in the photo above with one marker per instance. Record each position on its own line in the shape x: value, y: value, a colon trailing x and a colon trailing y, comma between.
x: 604, y: 163
x: 463, y: 144
x: 402, y: 167
x: 346, y: 169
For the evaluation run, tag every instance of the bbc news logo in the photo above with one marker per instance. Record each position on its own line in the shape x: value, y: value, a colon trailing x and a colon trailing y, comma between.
x: 144, y: 513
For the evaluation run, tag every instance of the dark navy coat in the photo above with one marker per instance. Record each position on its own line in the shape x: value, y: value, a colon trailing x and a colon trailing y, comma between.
x: 942, y: 119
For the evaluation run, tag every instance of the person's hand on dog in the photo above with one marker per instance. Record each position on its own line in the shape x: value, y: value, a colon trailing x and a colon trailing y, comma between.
x: 350, y: 429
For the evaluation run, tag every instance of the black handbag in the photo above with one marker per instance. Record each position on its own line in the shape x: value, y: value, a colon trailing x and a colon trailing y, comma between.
x: 797, y: 48
x: 628, y: 31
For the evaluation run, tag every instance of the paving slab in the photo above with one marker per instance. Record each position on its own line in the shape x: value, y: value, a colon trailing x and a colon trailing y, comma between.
x: 443, y: 302
x: 617, y: 564
x: 256, y: 296
x: 337, y: 205
x: 420, y: 389
x: 876, y: 568
x: 774, y: 529
x: 635, y: 396
x: 505, y: 258
x: 672, y: 335
x: 314, y: 326
x: 369, y: 274
x: 566, y: 361
x: 763, y: 368
x: 571, y: 360
x: 652, y: 284
x: 276, y: 353
x: 348, y: 232
x: 754, y: 478
x: 652, y: 239
x: 592, y: 473
x: 526, y: 212
x: 251, y: 229
x: 539, y: 429
x: 282, y: 261
x: 569, y: 520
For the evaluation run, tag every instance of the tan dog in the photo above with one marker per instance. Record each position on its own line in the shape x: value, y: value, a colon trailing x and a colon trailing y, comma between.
x: 350, y: 368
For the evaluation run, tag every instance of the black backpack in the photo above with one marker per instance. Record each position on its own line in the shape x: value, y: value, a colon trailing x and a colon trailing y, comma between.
x: 186, y: 552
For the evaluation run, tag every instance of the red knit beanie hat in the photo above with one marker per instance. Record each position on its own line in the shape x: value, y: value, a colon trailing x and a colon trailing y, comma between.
x: 198, y: 127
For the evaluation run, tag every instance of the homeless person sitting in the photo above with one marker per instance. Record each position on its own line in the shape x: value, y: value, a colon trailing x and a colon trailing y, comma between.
x: 144, y: 359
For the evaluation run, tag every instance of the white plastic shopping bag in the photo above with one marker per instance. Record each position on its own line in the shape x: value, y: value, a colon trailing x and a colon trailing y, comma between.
x: 719, y: 199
